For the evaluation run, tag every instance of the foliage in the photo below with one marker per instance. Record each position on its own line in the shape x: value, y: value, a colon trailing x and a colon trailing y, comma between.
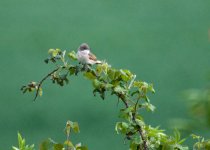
x: 22, y: 144
x: 68, y: 144
x: 199, y: 105
x: 201, y: 143
x: 50, y: 144
x: 119, y: 82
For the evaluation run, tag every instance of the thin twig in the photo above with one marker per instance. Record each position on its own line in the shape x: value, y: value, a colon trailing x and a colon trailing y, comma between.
x: 41, y: 82
x: 135, y: 109
x: 140, y: 128
x: 145, y: 147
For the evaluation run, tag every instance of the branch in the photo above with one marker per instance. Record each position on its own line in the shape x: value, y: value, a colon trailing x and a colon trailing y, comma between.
x: 140, y: 131
x: 143, y: 139
x: 41, y: 82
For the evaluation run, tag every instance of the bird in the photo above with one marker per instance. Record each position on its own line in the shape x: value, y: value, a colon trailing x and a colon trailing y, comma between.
x: 85, y: 56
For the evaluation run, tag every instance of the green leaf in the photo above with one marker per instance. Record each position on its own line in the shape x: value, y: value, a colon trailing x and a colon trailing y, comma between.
x: 82, y: 148
x: 150, y: 88
x: 140, y: 122
x: 58, y: 147
x: 137, y: 140
x: 121, y: 127
x: 104, y: 67
x: 144, y: 86
x: 126, y: 75
x: 177, y: 135
x: 89, y: 75
x: 54, y: 52
x: 15, y: 148
x: 134, y: 144
x: 40, y: 91
x: 111, y: 73
x: 120, y: 90
x: 69, y: 143
x: 148, y: 106
x: 117, y: 74
x: 46, y: 145
x: 22, y: 144
x: 76, y: 127
x: 50, y: 51
x: 195, y: 136
x: 21, y: 141
x: 108, y: 86
x: 96, y: 83
x: 125, y: 113
x: 72, y: 55
x: 72, y: 70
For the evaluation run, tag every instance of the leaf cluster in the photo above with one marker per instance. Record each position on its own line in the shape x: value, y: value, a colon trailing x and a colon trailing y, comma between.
x: 121, y: 83
x: 50, y: 144
x: 22, y: 144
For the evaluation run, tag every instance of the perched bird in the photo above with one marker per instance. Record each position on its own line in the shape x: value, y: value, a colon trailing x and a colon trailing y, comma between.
x: 85, y: 57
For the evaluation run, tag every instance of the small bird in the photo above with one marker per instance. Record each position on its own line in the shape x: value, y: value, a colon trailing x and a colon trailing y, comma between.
x: 85, y: 57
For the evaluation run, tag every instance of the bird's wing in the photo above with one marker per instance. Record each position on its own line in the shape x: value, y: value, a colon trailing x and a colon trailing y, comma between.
x: 92, y: 57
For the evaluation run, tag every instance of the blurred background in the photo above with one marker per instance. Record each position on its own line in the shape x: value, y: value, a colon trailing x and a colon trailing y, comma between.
x: 164, y: 42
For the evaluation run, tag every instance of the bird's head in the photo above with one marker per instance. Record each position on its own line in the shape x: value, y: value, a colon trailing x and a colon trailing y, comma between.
x: 83, y: 46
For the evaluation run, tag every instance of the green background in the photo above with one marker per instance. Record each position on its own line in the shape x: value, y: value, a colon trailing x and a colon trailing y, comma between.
x: 164, y: 42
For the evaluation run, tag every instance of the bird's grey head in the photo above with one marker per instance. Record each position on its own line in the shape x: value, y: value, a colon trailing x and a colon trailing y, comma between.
x: 83, y: 46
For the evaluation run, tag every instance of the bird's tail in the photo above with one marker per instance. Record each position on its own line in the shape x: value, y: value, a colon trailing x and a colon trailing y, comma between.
x: 98, y: 62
